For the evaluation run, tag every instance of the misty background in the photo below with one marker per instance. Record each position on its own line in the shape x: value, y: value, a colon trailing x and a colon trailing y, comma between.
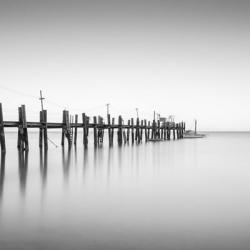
x: 186, y: 58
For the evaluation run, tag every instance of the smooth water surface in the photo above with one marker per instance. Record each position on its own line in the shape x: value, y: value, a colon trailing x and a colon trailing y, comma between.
x: 185, y: 194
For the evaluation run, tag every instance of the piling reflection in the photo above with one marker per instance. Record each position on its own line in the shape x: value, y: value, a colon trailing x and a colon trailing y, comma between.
x: 85, y: 162
x: 66, y: 159
x: 109, y: 162
x: 2, y: 174
x: 43, y: 166
x: 23, y: 170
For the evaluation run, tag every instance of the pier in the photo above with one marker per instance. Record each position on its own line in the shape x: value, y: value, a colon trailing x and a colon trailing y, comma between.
x: 134, y: 131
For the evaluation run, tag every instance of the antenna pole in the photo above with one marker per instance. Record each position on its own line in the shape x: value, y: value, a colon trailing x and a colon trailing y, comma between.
x: 107, y: 108
x: 137, y: 112
x: 41, y: 99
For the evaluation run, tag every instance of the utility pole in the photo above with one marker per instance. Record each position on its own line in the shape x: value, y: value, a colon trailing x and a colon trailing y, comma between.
x: 154, y: 115
x: 137, y: 114
x: 195, y: 126
x: 41, y: 99
x: 107, y: 109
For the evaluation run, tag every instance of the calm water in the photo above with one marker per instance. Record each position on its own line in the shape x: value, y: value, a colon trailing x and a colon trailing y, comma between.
x: 187, y: 194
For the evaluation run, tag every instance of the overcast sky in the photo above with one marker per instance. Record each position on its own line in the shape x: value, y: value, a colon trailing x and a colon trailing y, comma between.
x: 187, y: 58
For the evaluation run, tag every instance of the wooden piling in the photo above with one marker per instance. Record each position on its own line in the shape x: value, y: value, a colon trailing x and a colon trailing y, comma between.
x: 173, y: 131
x: 41, y: 130
x: 145, y: 129
x: 66, y: 129
x: 95, y: 130
x: 119, y: 132
x: 85, y: 121
x: 132, y: 131
x: 168, y: 130
x: 22, y: 141
x: 45, y: 130
x: 137, y: 133
x: 112, y: 131
x: 128, y: 130
x: 2, y: 134
x: 141, y: 131
x: 75, y: 134
x: 109, y: 130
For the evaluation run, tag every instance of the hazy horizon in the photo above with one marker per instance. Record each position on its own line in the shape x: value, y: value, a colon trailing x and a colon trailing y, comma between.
x: 186, y: 58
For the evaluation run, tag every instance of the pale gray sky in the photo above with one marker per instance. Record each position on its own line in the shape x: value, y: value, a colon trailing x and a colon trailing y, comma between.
x: 188, y: 58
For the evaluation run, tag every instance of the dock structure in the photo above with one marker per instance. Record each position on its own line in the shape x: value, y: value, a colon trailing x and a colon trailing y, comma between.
x: 126, y: 133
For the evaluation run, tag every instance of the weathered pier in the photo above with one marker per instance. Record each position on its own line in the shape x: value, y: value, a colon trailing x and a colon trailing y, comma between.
x: 133, y: 132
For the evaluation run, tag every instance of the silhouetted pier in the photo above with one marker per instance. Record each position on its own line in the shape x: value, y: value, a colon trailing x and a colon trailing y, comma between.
x: 134, y: 131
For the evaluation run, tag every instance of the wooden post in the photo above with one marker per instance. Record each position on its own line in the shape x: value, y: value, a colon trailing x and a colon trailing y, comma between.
x: 162, y: 130
x: 85, y: 121
x: 22, y: 141
x: 75, y: 135
x: 178, y: 130
x: 95, y: 131
x: 100, y: 130
x: 158, y: 129
x: 174, y: 131
x: 109, y: 130
x: 68, y: 134
x: 153, y: 135
x: 66, y: 129
x: 2, y: 135
x: 128, y: 130
x: 119, y: 132
x: 137, y: 134
x: 168, y: 130
x: 63, y: 127
x: 141, y: 131
x: 132, y: 131
x: 149, y: 125
x: 45, y: 131
x: 182, y: 130
x: 26, y: 141
x: 112, y: 131
x: 41, y: 130
x: 145, y: 129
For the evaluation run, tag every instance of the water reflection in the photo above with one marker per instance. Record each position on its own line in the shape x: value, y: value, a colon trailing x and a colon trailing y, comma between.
x: 23, y: 170
x: 66, y: 158
x: 43, y: 166
x: 109, y: 162
x: 85, y: 162
x: 2, y: 174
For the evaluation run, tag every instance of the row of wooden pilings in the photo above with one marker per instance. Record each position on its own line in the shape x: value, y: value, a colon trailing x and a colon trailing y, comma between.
x: 132, y: 132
